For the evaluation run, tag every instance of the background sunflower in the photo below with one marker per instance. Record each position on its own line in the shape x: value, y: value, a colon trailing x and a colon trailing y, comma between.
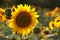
x: 57, y: 21
x: 51, y: 25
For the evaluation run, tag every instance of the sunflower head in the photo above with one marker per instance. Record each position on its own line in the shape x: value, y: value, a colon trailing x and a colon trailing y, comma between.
x: 55, y: 12
x: 8, y: 13
x: 46, y: 32
x: 1, y: 13
x: 51, y: 25
x: 23, y: 19
x: 56, y: 9
x: 57, y: 21
x: 37, y: 30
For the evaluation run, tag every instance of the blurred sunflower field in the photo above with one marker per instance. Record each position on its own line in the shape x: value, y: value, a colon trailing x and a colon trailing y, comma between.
x: 30, y: 20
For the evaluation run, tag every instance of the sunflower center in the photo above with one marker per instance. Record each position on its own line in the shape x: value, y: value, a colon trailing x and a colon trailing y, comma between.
x: 23, y: 19
x: 53, y: 25
x: 37, y: 30
x: 58, y: 20
x: 46, y: 32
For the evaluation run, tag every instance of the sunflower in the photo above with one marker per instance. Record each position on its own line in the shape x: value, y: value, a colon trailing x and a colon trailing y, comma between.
x: 46, y: 32
x: 1, y: 13
x: 57, y: 21
x: 51, y: 25
x: 37, y: 30
x: 23, y: 19
x: 55, y: 12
